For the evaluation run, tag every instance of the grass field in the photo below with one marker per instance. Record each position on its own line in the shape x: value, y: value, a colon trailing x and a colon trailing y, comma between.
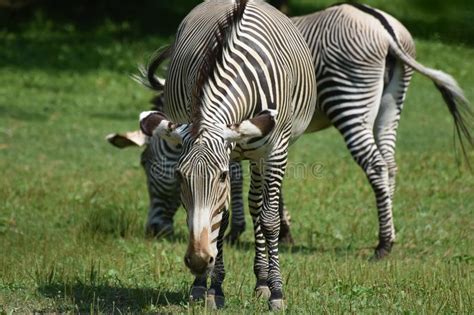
x: 73, y: 208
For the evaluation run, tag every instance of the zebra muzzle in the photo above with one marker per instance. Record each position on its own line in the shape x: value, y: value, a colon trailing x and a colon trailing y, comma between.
x: 199, y: 263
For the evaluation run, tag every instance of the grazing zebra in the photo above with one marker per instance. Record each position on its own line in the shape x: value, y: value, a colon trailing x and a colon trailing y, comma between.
x: 249, y: 99
x: 364, y: 60
x: 364, y: 63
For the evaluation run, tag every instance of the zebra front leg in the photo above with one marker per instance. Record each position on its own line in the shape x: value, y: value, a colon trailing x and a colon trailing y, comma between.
x: 160, y: 216
x: 198, y: 289
x: 274, y: 171
x: 215, y: 294
x: 163, y: 190
x: 260, y: 266
x: 237, y: 226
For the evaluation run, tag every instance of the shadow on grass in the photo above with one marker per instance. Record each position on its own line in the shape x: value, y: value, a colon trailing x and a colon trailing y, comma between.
x: 108, y: 298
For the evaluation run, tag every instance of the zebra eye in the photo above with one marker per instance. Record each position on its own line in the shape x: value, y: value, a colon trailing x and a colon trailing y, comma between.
x: 223, y: 177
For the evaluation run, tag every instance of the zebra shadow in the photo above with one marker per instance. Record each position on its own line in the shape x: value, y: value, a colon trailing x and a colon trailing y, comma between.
x: 109, y: 299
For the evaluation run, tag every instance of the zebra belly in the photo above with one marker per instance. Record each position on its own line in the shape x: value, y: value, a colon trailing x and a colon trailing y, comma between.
x: 319, y: 122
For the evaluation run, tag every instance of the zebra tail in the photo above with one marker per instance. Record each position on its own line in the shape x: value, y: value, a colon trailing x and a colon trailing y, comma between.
x: 147, y: 77
x: 453, y: 95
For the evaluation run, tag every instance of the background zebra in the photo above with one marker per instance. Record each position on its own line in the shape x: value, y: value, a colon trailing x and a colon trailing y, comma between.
x: 364, y: 63
x: 364, y: 60
x: 249, y: 99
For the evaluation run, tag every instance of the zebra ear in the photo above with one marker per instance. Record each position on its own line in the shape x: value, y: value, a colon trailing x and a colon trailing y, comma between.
x: 154, y: 123
x: 258, y: 126
x: 128, y: 139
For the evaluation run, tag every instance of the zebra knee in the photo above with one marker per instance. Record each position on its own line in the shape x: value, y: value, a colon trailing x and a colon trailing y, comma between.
x: 377, y: 168
x: 271, y: 226
x: 392, y: 170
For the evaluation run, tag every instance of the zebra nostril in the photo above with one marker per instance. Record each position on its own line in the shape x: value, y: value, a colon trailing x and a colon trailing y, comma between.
x: 211, y: 260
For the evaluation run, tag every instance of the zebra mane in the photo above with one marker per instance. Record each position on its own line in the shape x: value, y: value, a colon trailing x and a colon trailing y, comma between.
x: 213, y: 57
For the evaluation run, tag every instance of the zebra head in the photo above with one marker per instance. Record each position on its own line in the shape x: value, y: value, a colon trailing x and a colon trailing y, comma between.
x: 203, y: 170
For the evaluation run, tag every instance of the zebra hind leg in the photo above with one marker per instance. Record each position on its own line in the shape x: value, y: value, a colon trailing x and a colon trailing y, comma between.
x: 215, y: 294
x: 354, y: 114
x: 366, y: 153
x: 385, y: 129
x: 260, y: 266
x: 273, y: 172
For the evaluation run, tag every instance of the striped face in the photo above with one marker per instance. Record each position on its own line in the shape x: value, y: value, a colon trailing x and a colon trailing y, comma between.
x: 203, y: 171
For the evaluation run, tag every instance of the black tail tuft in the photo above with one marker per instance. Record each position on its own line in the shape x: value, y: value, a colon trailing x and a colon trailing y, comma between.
x: 463, y: 118
x: 155, y: 62
x: 146, y: 75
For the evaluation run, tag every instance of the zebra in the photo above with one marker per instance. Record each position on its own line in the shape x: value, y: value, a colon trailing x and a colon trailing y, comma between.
x: 388, y: 52
x: 364, y: 61
x: 249, y: 99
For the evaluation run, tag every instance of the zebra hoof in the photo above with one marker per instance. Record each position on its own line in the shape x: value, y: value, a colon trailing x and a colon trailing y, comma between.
x: 197, y: 293
x: 215, y: 302
x: 262, y: 292
x: 382, y: 251
x: 276, y: 305
x: 286, y: 239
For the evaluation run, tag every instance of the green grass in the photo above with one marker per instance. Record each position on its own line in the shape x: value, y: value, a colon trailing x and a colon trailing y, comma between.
x: 72, y: 208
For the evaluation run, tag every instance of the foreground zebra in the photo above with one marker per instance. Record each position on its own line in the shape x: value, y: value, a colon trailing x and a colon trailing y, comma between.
x: 364, y: 63
x: 249, y: 99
